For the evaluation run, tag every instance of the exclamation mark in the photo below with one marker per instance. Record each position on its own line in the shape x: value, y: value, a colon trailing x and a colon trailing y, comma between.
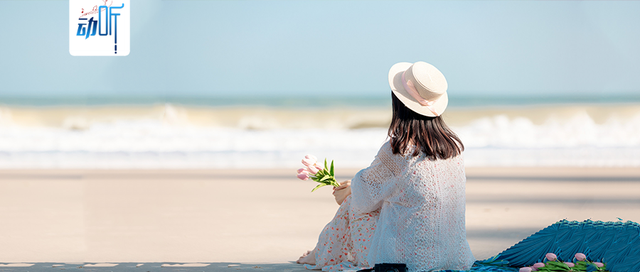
x: 116, y: 46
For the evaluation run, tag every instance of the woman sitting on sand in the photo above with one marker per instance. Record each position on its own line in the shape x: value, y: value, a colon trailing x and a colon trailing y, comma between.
x: 409, y: 205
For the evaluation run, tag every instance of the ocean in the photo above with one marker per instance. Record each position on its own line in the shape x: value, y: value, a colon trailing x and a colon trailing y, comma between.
x: 276, y: 132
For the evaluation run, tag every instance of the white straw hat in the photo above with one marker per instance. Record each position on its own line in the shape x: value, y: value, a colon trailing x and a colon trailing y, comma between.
x: 420, y: 86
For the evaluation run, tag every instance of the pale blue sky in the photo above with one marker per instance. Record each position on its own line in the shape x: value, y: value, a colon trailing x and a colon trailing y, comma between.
x: 264, y: 47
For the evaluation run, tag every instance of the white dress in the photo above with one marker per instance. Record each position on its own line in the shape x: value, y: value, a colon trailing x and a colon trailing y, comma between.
x: 402, y: 209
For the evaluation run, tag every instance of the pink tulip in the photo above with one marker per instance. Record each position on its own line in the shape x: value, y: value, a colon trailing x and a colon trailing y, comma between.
x: 302, y: 170
x: 314, y: 169
x: 598, y: 264
x: 551, y: 257
x: 580, y: 257
x: 309, y: 160
x: 303, y: 176
x: 534, y: 269
x: 525, y: 269
x: 570, y: 264
x: 538, y: 265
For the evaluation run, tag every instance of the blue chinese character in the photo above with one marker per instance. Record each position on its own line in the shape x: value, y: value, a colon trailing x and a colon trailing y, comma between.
x: 109, y: 21
x: 90, y: 30
x: 115, y: 21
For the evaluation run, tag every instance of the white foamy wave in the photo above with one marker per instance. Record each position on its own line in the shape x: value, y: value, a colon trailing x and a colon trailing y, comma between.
x: 573, y: 139
x: 152, y: 144
x: 579, y: 130
x: 177, y: 137
x: 248, y: 118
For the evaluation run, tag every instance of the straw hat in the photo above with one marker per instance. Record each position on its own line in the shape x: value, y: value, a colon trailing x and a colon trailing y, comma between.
x: 420, y: 86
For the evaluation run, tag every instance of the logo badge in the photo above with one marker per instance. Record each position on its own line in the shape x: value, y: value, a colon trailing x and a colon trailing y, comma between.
x: 99, y: 27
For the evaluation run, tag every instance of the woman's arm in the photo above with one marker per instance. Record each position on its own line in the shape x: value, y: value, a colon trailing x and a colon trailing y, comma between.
x: 372, y: 185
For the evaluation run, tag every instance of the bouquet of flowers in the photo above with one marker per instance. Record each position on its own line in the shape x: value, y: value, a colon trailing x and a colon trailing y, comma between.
x: 316, y: 173
x: 553, y: 265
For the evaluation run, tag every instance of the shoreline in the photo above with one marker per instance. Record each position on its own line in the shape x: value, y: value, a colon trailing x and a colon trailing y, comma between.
x: 264, y: 216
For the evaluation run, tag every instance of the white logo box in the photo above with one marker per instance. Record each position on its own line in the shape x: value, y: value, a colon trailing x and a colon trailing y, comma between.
x: 99, y: 27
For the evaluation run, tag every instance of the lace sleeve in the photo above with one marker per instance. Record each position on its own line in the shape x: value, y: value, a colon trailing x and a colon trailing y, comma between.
x: 372, y: 185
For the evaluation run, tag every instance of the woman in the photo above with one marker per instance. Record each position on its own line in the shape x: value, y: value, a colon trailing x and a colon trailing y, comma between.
x: 409, y: 205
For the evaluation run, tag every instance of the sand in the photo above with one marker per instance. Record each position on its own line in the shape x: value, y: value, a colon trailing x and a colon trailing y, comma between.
x: 219, y: 220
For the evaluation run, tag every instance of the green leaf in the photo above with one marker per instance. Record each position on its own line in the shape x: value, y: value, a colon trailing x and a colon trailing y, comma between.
x: 325, y: 164
x: 325, y: 178
x: 581, y: 265
x: 332, y: 173
x: 555, y: 264
x: 319, y: 185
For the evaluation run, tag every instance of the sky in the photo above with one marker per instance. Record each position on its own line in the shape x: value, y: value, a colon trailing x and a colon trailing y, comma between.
x: 299, y: 48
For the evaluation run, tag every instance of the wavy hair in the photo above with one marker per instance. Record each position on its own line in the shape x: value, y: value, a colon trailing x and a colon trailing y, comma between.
x: 429, y: 134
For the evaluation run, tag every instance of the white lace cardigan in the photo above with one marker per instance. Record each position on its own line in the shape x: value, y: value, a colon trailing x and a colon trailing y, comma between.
x: 422, y: 217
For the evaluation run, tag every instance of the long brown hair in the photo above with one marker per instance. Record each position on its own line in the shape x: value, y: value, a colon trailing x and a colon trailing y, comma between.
x: 429, y: 134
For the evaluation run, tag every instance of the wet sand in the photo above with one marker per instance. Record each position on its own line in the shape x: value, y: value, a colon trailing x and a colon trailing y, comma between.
x: 218, y: 220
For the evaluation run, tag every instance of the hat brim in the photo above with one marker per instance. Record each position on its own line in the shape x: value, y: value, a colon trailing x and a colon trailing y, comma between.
x: 395, y: 82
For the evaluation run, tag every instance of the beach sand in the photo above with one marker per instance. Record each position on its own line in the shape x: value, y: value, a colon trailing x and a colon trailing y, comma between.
x: 237, y: 219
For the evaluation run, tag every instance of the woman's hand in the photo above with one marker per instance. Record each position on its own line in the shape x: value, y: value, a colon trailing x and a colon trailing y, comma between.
x: 340, y: 193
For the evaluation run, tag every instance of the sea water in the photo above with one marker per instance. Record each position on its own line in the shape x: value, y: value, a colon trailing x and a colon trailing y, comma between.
x: 277, y: 132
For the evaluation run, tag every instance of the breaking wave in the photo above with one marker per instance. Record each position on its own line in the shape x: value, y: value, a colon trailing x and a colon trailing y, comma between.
x: 174, y: 136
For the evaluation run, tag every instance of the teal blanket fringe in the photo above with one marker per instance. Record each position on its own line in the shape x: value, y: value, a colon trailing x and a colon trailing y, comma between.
x: 615, y: 243
x: 492, y: 264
